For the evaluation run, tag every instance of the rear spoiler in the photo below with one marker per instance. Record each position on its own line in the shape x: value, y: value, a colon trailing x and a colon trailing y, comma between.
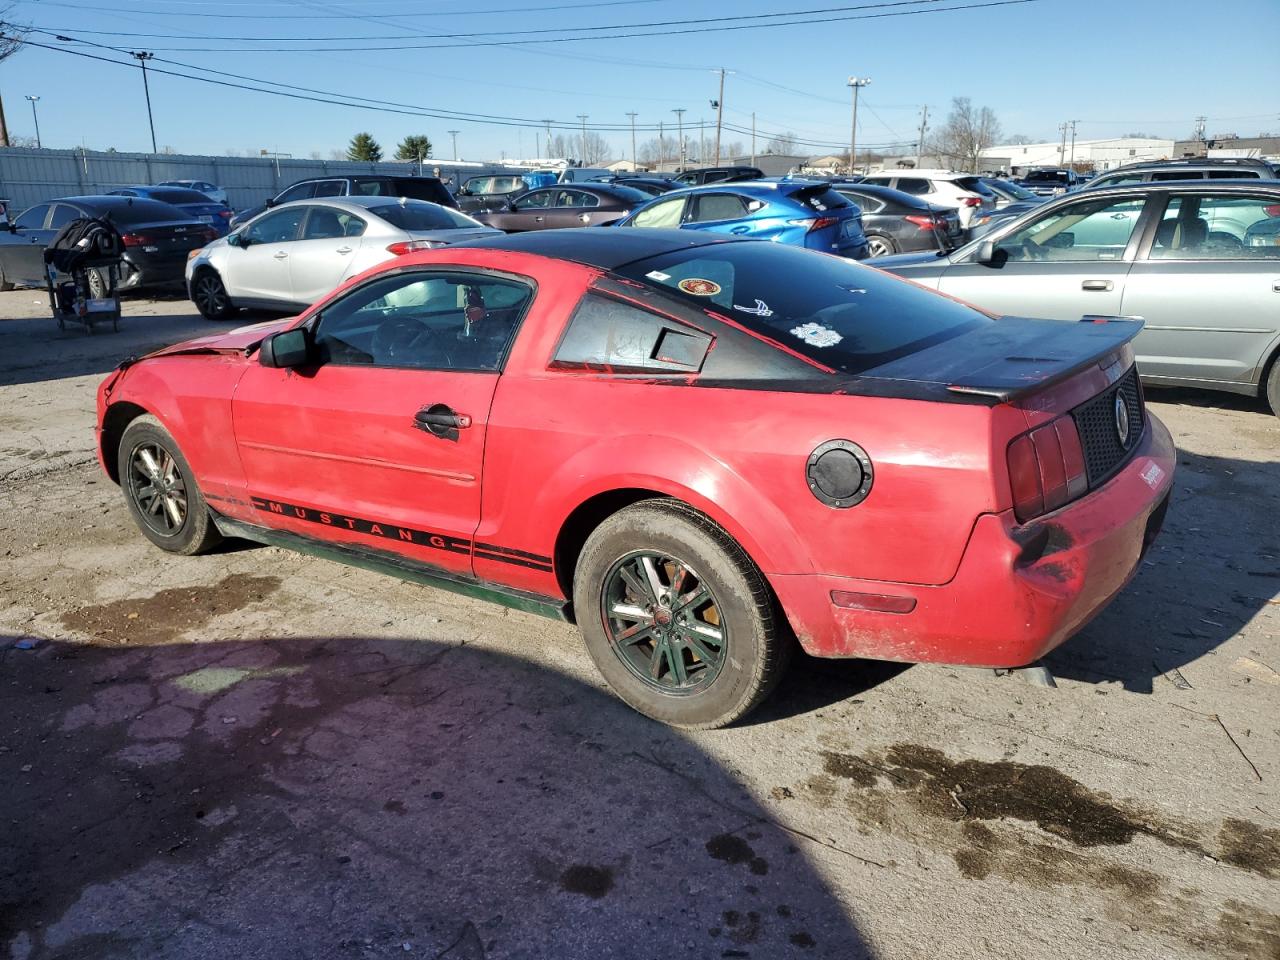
x: 1029, y: 355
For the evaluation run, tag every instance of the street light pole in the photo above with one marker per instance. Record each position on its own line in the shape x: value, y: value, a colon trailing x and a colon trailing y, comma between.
x: 35, y: 117
x: 719, y: 115
x: 856, y: 83
x: 632, y: 114
x: 142, y: 57
x: 679, y: 112
x: 454, y: 134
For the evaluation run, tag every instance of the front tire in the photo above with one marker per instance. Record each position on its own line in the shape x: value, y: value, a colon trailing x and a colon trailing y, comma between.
x: 161, y: 492
x: 1271, y: 388
x: 210, y: 296
x: 878, y: 246
x: 676, y: 617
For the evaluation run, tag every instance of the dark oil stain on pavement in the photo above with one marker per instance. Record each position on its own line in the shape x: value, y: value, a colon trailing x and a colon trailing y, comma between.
x: 160, y: 618
x: 1250, y: 847
x: 593, y: 882
x: 734, y: 850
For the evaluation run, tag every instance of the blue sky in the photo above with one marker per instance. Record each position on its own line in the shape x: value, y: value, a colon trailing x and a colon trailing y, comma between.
x: 1126, y: 65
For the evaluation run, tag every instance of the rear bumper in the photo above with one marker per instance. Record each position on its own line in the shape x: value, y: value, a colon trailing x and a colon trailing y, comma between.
x: 152, y: 271
x: 1020, y: 590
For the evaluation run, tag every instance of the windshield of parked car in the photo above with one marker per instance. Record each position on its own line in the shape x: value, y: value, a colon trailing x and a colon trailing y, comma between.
x: 848, y: 317
x: 417, y: 215
x: 1011, y: 189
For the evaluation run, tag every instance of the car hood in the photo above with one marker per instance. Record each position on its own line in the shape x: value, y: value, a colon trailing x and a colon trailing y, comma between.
x: 906, y: 260
x: 231, y: 341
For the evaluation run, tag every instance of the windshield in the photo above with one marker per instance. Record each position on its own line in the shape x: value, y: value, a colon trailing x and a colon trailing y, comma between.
x: 848, y: 317
x: 416, y: 215
x: 1011, y: 190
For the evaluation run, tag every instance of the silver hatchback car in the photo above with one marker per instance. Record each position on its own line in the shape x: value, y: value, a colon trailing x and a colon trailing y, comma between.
x: 1197, y: 260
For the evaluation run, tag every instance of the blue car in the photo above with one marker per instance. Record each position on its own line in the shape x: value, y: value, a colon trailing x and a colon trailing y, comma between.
x: 191, y: 202
x: 802, y: 213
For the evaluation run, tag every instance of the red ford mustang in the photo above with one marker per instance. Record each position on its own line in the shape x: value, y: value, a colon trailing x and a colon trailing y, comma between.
x: 699, y: 449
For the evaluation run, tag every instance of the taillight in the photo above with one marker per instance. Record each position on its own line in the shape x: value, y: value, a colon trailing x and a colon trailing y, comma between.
x: 411, y: 246
x: 226, y: 214
x: 1046, y: 468
x: 136, y: 239
x: 817, y: 223
x: 210, y: 234
x: 1272, y: 210
x: 972, y: 201
x: 923, y: 222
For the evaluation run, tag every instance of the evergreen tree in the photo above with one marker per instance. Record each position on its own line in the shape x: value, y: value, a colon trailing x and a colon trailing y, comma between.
x: 415, y: 147
x: 364, y: 147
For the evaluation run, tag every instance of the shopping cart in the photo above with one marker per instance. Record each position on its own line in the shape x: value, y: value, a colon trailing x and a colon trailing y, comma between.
x: 82, y: 270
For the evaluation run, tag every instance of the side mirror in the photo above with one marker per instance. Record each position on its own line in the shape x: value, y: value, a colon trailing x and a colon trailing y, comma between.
x: 13, y: 227
x: 270, y: 203
x: 235, y: 240
x: 986, y: 252
x: 288, y: 348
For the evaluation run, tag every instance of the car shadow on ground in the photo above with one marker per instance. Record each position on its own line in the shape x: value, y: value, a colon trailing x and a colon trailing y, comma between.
x: 360, y: 796
x: 1215, y: 564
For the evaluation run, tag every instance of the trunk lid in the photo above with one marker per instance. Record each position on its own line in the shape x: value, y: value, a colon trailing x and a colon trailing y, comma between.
x: 166, y: 237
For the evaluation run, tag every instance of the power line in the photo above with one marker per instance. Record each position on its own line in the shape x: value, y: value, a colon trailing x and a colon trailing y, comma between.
x: 591, y: 33
x: 342, y: 16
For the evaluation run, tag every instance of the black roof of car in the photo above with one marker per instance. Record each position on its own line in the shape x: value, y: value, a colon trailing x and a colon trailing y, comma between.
x: 607, y: 248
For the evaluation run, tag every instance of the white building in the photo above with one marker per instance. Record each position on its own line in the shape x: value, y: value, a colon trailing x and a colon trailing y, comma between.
x: 1096, y: 154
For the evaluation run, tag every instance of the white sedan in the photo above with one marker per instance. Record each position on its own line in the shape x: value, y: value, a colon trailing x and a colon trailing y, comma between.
x: 292, y: 255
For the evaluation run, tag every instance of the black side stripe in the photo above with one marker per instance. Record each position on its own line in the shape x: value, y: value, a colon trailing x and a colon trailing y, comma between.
x: 393, y: 531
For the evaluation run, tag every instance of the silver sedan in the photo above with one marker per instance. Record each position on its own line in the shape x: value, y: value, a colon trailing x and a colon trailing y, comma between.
x: 292, y: 255
x: 1197, y: 260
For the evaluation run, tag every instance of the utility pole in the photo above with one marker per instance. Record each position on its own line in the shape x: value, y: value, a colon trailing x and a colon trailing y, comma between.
x: 702, y: 142
x: 662, y: 147
x: 719, y: 105
x: 1073, y: 143
x: 35, y: 117
x: 680, y: 151
x: 582, y: 161
x: 548, y: 124
x: 632, y: 114
x: 753, y: 138
x: 1200, y: 122
x: 142, y: 57
x: 924, y: 125
x: 856, y: 83
x: 454, y: 134
x: 1062, y: 147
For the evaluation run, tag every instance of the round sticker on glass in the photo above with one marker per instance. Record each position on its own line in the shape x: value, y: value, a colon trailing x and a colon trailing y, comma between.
x: 699, y: 288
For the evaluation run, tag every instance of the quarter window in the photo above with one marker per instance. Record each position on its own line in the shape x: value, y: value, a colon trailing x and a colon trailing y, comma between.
x: 425, y: 321
x: 607, y: 334
x: 1085, y: 231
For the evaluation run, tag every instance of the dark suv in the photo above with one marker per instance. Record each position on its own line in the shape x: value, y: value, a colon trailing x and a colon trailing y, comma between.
x: 415, y: 188
x: 1227, y: 168
x: 696, y: 178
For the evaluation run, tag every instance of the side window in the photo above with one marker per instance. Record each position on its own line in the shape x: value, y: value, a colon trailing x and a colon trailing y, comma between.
x: 576, y: 198
x: 299, y: 191
x: 331, y: 188
x: 607, y: 334
x: 1118, y: 181
x: 364, y: 188
x: 278, y: 227
x: 1218, y: 228
x: 665, y: 214
x: 914, y: 185
x: 708, y: 207
x: 33, y: 219
x: 718, y: 176
x: 536, y: 200
x: 867, y: 204
x: 1233, y: 175
x: 326, y: 223
x: 62, y: 215
x: 425, y: 321
x: 1089, y: 230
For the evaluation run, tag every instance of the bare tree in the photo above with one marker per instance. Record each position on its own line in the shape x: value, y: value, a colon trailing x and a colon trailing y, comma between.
x: 969, y: 131
x: 11, y: 37
x: 1018, y: 139
x: 783, y: 143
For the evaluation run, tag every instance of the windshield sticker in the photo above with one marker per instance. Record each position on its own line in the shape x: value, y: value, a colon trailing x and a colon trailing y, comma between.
x: 699, y: 287
x: 658, y: 275
x: 816, y: 335
x: 761, y: 309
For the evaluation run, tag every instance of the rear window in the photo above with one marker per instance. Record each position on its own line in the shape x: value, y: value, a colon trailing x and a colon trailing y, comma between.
x: 1046, y: 176
x: 629, y: 194
x: 176, y: 195
x: 417, y: 215
x: 821, y: 198
x: 128, y: 210
x: 848, y: 317
x: 974, y: 185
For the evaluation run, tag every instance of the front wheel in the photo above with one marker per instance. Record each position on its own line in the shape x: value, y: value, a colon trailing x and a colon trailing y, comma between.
x: 210, y: 296
x: 1272, y: 386
x: 160, y: 490
x: 878, y: 246
x: 676, y: 617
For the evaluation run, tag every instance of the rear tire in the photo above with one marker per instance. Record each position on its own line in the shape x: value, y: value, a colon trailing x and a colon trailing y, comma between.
x: 677, y: 618
x: 5, y: 285
x: 210, y: 295
x: 161, y: 492
x: 880, y: 246
x: 1271, y: 388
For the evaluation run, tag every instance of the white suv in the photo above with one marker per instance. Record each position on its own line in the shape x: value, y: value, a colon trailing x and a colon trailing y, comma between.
x: 945, y: 188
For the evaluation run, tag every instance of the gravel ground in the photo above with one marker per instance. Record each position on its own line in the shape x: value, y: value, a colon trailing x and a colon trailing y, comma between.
x: 260, y: 754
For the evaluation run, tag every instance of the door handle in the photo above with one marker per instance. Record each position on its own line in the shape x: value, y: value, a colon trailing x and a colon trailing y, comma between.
x: 740, y: 230
x: 584, y: 217
x: 441, y: 420
x: 1275, y: 287
x: 280, y: 255
x: 1097, y: 285
x: 344, y: 250
x: 537, y: 219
